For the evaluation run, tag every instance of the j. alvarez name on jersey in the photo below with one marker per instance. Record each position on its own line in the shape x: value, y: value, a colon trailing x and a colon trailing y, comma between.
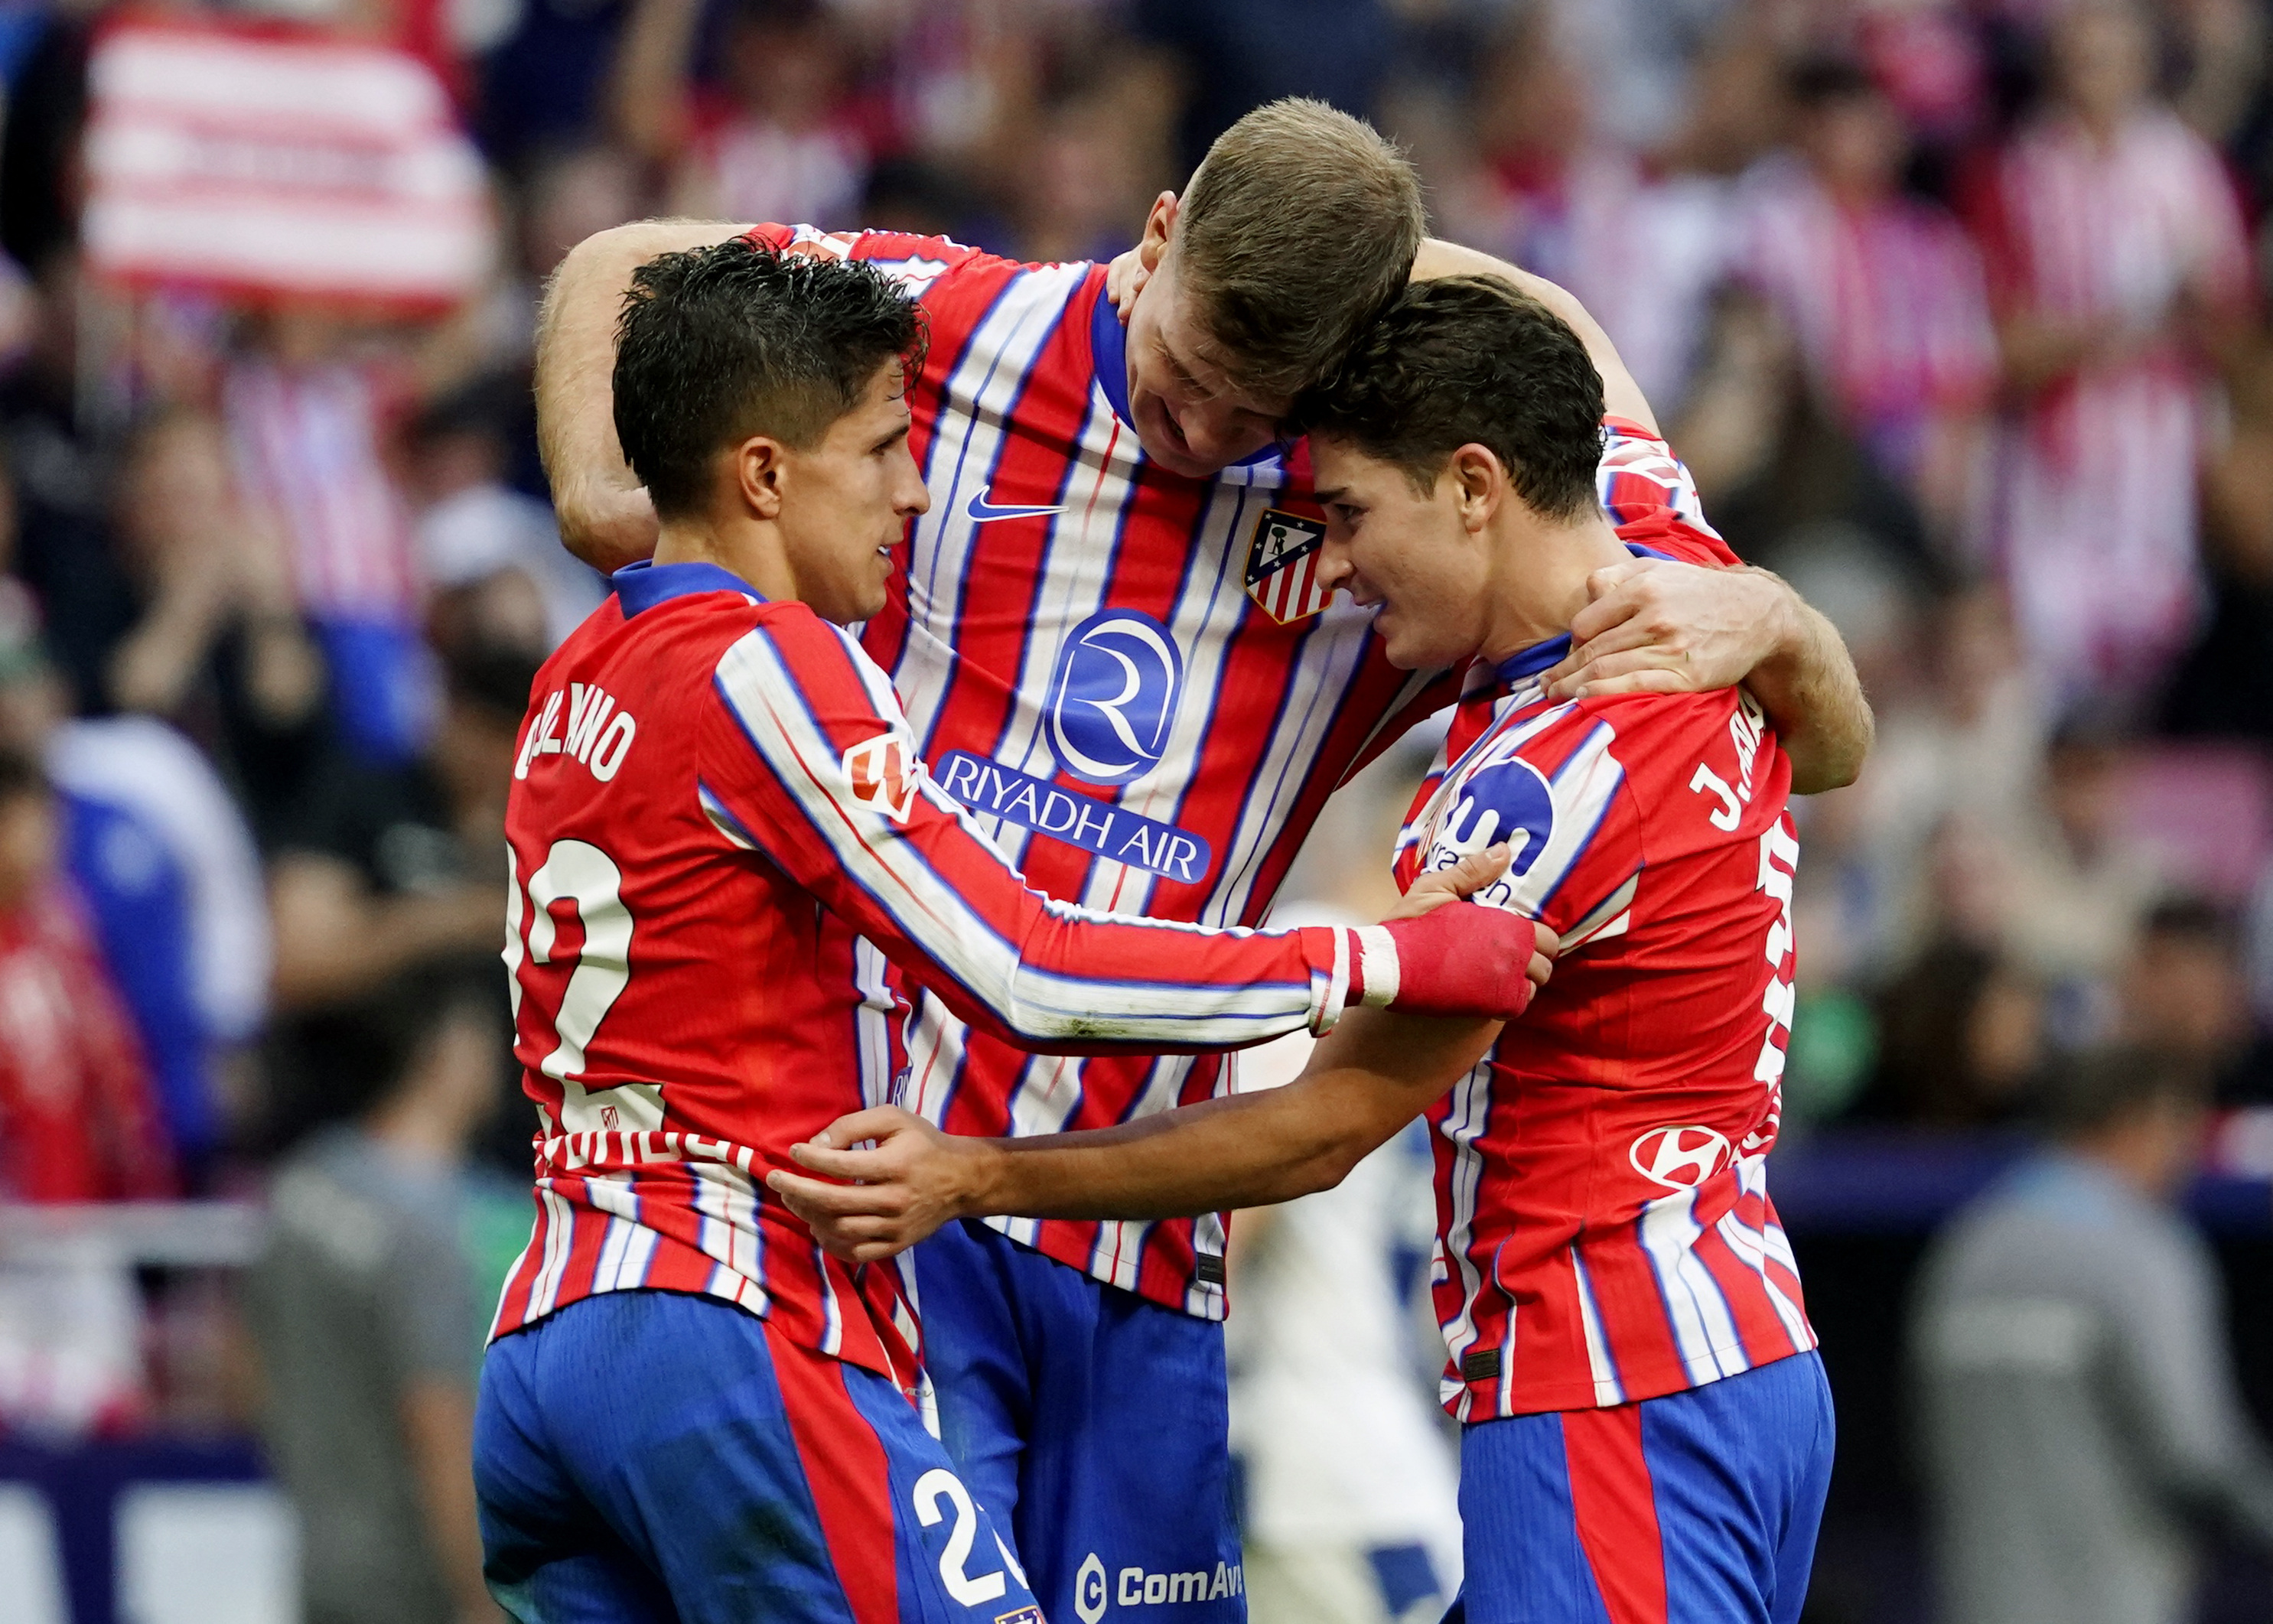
x: 1605, y: 1233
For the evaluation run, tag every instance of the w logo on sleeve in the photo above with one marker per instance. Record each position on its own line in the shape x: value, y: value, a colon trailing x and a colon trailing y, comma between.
x: 882, y: 774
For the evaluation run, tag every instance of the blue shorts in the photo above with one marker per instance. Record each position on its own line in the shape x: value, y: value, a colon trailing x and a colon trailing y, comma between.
x: 1698, y: 1507
x: 647, y: 1457
x: 1096, y: 1421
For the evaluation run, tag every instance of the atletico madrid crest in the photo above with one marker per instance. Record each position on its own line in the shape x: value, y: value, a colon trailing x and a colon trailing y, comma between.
x: 1282, y: 566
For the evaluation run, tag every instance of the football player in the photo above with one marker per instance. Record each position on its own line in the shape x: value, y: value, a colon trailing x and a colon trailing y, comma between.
x: 1113, y: 641
x: 1648, y: 1432
x: 720, y: 831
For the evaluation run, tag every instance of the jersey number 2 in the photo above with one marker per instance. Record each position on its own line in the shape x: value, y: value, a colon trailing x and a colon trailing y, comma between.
x: 580, y: 872
x: 968, y: 1590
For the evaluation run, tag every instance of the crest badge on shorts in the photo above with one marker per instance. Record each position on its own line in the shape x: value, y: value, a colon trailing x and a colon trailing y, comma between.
x: 1282, y: 565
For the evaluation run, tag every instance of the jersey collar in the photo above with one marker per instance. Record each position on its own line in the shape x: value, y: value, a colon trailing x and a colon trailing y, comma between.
x: 647, y: 583
x: 1108, y: 350
x: 1529, y: 662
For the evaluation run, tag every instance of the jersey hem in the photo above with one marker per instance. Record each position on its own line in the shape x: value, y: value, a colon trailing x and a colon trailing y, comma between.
x: 1217, y: 1308
x: 1586, y: 1395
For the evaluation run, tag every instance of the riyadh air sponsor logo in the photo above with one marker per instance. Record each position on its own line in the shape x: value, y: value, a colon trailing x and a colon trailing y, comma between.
x: 1679, y: 1159
x: 1135, y: 1587
x: 882, y: 771
x: 1113, y: 699
x: 979, y: 510
x: 1507, y: 801
x: 1078, y: 818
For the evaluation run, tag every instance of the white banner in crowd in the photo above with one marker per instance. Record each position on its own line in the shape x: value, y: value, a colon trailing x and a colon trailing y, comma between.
x: 248, y: 163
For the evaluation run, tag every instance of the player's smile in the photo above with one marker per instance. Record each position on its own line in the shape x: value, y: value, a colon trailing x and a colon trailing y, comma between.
x: 1365, y: 594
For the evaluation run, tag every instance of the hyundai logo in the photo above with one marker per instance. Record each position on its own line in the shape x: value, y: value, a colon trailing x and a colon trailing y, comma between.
x: 1679, y: 1159
x: 1113, y: 699
x: 1507, y: 801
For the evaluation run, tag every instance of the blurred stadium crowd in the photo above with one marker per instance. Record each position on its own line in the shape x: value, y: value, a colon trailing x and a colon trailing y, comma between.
x: 1957, y: 308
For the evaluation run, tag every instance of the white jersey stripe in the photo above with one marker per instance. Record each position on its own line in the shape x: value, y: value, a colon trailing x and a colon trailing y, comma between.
x: 559, y: 1222
x: 1702, y: 1328
x: 966, y: 449
x: 1469, y: 1118
x: 1608, y: 1390
x: 962, y: 942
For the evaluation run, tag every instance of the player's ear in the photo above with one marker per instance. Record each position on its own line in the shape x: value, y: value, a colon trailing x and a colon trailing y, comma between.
x: 1479, y: 484
x: 757, y: 469
x: 1159, y: 224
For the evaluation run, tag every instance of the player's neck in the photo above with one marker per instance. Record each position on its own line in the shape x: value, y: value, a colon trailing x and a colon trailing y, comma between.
x: 1539, y: 577
x: 752, y: 549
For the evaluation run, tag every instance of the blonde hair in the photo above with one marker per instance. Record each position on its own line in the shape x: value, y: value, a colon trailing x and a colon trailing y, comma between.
x: 1297, y: 229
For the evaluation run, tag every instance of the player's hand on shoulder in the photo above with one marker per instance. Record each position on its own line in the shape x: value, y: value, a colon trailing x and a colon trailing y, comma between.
x: 1479, y: 962
x: 1124, y: 278
x: 1658, y: 625
x: 1463, y: 880
x: 875, y: 1201
x: 1470, y: 874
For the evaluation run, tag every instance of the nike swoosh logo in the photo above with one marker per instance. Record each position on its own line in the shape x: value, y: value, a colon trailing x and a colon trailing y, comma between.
x: 980, y: 511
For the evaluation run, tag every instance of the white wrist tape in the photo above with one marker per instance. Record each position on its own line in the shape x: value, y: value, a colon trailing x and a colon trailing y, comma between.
x: 1377, y: 950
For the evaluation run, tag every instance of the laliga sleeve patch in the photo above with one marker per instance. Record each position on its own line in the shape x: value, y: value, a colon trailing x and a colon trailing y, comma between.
x: 882, y: 772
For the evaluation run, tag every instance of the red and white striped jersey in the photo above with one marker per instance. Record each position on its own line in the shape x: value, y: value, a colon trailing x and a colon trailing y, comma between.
x: 2097, y: 490
x: 1129, y: 677
x: 717, y: 822
x: 1886, y: 302
x: 307, y: 448
x: 1605, y: 1233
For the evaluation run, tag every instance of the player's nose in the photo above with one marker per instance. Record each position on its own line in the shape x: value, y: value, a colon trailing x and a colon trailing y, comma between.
x: 911, y: 495
x: 1211, y: 433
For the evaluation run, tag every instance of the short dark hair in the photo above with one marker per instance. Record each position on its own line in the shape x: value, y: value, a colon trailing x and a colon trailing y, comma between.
x: 1298, y: 228
x: 2194, y: 920
x: 2114, y: 1083
x: 717, y: 344
x: 22, y: 777
x: 1471, y: 358
x: 492, y: 680
x: 1818, y: 82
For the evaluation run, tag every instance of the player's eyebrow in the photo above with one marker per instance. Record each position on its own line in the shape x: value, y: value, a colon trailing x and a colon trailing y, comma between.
x: 1183, y: 373
x: 1323, y: 497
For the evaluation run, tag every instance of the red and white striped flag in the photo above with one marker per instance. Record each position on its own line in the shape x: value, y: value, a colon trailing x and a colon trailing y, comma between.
x: 260, y: 163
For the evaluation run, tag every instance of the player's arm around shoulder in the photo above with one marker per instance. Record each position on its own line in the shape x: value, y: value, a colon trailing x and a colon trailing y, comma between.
x: 1665, y: 626
x: 605, y: 517
x: 1373, y: 1074
x: 803, y: 741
